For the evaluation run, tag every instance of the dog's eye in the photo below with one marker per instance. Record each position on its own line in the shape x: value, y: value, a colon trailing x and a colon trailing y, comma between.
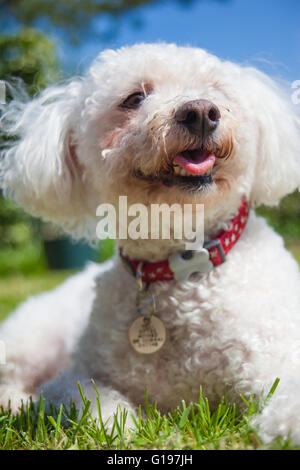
x: 133, y: 101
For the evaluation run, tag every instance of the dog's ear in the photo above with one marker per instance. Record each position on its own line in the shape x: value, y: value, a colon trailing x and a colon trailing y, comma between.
x: 277, y: 170
x: 39, y: 167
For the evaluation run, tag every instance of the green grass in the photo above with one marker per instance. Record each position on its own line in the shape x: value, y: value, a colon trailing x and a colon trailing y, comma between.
x: 16, y: 288
x: 190, y: 427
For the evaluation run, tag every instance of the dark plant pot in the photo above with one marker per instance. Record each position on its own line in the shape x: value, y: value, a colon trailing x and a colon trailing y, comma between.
x: 63, y: 253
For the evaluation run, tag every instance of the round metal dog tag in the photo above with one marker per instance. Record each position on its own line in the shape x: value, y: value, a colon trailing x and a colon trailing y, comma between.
x: 147, y: 334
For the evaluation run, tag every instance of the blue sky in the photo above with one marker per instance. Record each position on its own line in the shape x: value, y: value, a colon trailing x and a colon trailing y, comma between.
x: 265, y: 33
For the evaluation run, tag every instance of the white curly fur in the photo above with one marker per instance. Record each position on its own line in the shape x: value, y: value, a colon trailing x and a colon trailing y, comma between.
x: 231, y: 331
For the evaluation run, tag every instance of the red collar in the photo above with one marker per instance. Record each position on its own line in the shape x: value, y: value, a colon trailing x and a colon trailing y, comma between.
x: 180, y: 266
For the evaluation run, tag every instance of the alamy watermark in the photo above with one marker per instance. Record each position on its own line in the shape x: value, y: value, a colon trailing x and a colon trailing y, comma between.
x: 155, y: 221
x: 2, y: 92
x: 296, y: 94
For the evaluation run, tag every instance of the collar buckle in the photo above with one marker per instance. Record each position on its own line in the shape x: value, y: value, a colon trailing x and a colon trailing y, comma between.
x: 216, y: 244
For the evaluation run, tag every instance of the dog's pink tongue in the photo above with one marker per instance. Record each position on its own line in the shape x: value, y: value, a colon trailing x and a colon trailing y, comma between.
x: 196, y: 162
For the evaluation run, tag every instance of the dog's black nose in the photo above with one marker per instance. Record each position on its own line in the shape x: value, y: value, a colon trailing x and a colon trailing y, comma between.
x: 200, y: 117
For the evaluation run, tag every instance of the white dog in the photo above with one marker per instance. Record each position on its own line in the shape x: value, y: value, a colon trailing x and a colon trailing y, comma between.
x: 160, y: 124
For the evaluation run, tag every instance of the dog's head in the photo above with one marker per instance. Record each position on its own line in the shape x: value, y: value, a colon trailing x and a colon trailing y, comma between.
x: 157, y: 123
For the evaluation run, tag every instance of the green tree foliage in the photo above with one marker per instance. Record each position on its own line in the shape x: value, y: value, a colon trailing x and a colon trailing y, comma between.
x: 285, y: 218
x: 31, y: 56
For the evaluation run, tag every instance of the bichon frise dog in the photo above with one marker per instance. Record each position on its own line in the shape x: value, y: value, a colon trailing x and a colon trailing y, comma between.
x: 160, y: 124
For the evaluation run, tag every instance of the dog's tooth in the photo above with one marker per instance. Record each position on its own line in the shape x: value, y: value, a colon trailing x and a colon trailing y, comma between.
x: 181, y: 171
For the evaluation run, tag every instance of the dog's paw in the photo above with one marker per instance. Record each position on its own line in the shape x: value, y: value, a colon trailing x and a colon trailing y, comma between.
x: 13, y: 398
x: 65, y: 390
x: 114, y: 407
x: 280, y: 417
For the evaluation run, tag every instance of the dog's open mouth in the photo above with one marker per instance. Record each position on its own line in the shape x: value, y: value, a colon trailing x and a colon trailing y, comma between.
x: 190, y: 169
x: 194, y: 163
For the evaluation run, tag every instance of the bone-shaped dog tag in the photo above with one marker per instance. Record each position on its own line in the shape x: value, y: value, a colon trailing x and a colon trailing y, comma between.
x: 186, y: 263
